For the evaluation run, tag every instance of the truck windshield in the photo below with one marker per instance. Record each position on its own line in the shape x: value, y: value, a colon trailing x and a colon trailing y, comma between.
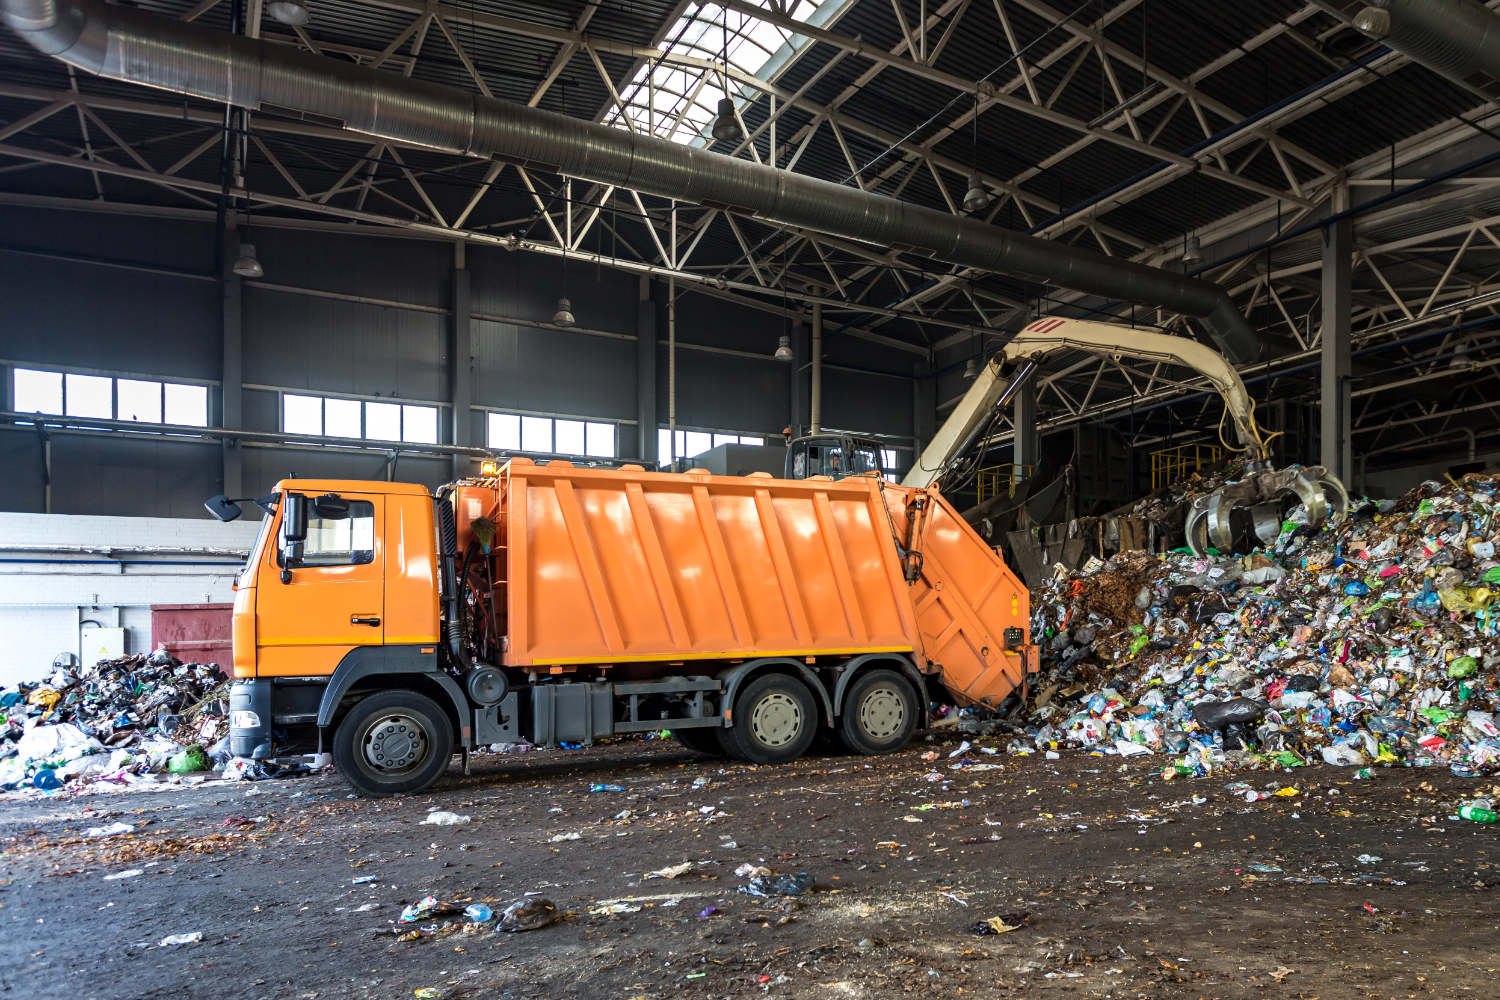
x: 260, y: 539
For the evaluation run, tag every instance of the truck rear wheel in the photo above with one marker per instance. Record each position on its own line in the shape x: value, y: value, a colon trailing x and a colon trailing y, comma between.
x: 392, y: 742
x: 775, y: 719
x: 880, y: 713
x: 702, y: 739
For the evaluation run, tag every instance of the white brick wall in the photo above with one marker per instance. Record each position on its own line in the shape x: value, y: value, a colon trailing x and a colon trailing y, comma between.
x: 45, y: 594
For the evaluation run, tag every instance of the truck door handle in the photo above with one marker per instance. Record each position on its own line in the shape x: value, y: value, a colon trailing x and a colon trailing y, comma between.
x: 357, y: 620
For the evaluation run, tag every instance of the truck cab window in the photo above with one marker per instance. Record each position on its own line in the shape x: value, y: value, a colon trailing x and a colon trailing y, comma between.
x: 343, y: 541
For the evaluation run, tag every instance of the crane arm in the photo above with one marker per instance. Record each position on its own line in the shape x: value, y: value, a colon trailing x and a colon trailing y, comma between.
x: 1048, y: 335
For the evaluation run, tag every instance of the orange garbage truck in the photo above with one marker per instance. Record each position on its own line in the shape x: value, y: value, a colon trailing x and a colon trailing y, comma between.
x: 555, y: 603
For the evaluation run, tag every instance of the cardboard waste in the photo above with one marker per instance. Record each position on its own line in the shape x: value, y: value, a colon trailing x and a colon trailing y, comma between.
x: 1369, y: 642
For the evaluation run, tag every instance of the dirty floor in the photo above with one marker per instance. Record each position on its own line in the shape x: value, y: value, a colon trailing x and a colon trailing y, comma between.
x: 1132, y: 886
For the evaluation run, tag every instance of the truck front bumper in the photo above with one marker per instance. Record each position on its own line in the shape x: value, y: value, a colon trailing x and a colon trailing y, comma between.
x: 250, y: 719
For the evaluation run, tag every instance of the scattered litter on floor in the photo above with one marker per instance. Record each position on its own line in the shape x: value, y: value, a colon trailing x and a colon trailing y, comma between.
x: 442, y: 817
x: 172, y: 940
x: 529, y: 915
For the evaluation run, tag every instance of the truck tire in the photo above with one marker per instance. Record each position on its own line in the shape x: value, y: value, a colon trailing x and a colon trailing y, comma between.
x: 775, y: 720
x: 393, y: 742
x: 701, y: 740
x: 879, y: 714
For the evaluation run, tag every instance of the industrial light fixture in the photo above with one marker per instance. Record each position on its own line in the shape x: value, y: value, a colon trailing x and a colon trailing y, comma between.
x: 564, y: 315
x: 246, y: 265
x: 784, y: 349
x: 291, y: 12
x: 1192, y: 251
x: 971, y: 370
x: 1460, y: 358
x: 1373, y: 23
x: 976, y: 197
x: 726, y: 125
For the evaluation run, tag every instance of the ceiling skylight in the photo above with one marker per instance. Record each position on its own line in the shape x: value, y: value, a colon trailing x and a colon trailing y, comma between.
x: 679, y: 102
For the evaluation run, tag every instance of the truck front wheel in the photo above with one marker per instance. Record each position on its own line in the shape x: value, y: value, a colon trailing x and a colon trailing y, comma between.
x: 392, y: 742
x: 775, y: 719
x: 880, y: 713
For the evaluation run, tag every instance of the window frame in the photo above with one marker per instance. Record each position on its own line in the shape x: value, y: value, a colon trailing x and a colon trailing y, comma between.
x: 114, y: 380
x: 311, y: 517
x: 589, y: 427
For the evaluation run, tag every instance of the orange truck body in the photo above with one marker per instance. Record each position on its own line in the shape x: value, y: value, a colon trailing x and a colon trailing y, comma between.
x: 559, y: 603
x: 607, y: 567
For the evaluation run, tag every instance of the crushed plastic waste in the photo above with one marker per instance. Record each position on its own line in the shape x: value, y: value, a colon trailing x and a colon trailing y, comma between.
x: 425, y: 909
x: 529, y: 915
x: 442, y: 817
x: 1371, y: 642
x: 791, y: 884
x: 115, y: 723
x: 172, y: 940
x: 1003, y: 924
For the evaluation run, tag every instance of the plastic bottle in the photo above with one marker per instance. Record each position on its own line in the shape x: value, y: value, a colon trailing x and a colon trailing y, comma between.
x: 1478, y: 814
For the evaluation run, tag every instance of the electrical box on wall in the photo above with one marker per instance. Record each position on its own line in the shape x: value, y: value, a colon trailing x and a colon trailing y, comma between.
x: 96, y: 643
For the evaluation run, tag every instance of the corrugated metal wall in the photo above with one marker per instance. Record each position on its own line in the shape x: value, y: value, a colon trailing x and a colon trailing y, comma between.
x: 367, y: 316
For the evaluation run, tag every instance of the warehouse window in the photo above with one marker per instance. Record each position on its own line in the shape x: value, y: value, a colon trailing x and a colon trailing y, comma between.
x: 37, y: 392
x: 354, y: 418
x: 383, y: 421
x: 691, y: 444
x: 139, y: 401
x: 513, y: 432
x: 87, y: 396
x: 185, y: 404
x: 145, y: 401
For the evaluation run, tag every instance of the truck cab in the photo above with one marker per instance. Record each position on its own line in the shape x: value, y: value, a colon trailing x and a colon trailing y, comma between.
x: 341, y: 587
x: 833, y: 455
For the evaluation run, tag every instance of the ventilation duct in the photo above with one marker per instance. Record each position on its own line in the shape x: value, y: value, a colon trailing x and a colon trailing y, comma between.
x: 126, y: 44
x: 1457, y: 38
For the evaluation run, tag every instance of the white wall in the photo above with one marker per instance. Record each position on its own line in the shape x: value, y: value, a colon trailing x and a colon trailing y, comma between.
x: 49, y: 584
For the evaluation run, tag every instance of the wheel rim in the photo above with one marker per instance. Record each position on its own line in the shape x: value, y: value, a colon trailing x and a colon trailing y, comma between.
x: 882, y: 713
x: 394, y: 743
x: 776, y: 720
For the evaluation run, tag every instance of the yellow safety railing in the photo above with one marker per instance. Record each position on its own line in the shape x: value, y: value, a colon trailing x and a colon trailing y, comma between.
x: 992, y: 480
x: 1171, y: 464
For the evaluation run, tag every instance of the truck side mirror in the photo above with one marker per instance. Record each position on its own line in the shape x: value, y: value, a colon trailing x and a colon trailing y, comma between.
x: 331, y: 507
x: 294, y: 518
x: 222, y: 507
x: 293, y: 533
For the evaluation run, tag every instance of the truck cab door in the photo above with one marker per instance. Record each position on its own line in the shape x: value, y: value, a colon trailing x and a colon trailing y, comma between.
x: 314, y: 607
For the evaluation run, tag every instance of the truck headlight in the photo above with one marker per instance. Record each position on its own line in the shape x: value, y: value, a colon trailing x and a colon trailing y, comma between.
x: 243, y: 719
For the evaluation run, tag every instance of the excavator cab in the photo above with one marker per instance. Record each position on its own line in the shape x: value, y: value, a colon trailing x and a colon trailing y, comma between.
x: 832, y: 455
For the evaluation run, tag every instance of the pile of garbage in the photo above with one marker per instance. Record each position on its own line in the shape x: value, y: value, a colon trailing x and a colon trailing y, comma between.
x: 1369, y: 642
x: 119, y: 721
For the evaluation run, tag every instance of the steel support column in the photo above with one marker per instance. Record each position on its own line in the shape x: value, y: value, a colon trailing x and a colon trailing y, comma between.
x: 645, y: 376
x: 923, y: 407
x: 815, y: 360
x: 461, y: 363
x: 1026, y: 442
x: 1334, y: 396
x: 231, y: 362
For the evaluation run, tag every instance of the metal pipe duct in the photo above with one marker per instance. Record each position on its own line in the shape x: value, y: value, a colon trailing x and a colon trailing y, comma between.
x: 1457, y: 38
x: 125, y: 44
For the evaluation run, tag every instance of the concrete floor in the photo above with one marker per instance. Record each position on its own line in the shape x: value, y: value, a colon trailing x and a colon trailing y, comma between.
x: 1135, y: 887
